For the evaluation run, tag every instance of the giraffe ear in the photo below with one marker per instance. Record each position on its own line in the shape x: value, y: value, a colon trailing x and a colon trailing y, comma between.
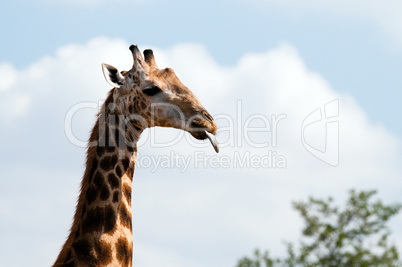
x: 112, y: 75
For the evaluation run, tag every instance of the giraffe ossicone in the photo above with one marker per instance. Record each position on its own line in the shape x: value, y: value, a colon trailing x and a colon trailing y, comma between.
x: 143, y: 97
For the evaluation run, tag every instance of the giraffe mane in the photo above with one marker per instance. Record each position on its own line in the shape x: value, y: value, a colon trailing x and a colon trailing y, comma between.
x: 91, y: 153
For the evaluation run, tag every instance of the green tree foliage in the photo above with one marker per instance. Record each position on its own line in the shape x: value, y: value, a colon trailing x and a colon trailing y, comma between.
x: 356, y: 235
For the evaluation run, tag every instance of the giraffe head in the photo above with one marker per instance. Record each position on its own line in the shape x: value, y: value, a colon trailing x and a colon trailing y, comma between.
x: 149, y: 96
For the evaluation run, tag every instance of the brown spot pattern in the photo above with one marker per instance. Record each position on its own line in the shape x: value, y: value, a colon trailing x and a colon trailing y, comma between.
x: 103, y: 252
x: 94, y: 220
x: 98, y: 180
x: 93, y: 170
x: 82, y: 249
x: 136, y: 80
x: 125, y: 217
x: 143, y: 105
x: 108, y: 162
x: 113, y: 181
x: 110, y: 218
x: 105, y: 193
x: 130, y: 148
x: 123, y: 251
x: 125, y: 162
x: 118, y: 171
x: 116, y: 197
x: 127, y: 193
x: 91, y: 194
x: 100, y: 150
x: 130, y: 171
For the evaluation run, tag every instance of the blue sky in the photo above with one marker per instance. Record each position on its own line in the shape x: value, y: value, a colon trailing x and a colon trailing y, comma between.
x: 352, y: 51
x: 275, y: 57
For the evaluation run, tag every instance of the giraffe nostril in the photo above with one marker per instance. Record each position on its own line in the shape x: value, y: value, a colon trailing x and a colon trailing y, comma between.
x: 207, y: 116
x: 195, y: 125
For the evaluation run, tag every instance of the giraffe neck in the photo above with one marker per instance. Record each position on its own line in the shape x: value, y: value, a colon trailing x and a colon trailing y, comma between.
x: 101, y: 234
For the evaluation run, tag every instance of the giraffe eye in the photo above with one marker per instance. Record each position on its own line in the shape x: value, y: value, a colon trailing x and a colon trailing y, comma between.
x: 151, y: 90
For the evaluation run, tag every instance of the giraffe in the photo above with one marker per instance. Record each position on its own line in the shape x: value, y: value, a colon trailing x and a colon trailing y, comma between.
x: 143, y: 97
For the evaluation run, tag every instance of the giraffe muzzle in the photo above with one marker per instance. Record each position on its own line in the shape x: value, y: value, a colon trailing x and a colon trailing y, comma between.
x: 205, y: 128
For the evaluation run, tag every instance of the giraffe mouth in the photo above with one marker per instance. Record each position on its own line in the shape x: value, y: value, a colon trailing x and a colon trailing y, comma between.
x: 200, y: 132
x: 204, y: 127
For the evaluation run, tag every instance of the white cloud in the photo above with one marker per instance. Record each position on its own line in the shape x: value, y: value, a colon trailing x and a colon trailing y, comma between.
x: 8, y: 76
x: 15, y: 106
x: 204, y: 216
